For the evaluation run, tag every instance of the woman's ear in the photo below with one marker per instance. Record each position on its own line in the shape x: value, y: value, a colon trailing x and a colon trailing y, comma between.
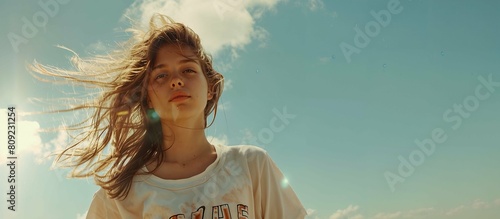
x: 210, y: 95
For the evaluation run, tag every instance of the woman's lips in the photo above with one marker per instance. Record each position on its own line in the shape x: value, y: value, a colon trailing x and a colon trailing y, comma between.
x: 179, y: 98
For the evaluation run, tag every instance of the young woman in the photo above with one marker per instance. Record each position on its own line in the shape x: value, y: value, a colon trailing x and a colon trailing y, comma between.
x: 145, y: 143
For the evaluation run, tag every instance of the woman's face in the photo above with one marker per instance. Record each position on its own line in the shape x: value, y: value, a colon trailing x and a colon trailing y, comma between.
x: 177, y: 87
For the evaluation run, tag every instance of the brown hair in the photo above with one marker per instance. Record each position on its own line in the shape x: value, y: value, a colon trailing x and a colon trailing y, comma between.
x: 120, y: 119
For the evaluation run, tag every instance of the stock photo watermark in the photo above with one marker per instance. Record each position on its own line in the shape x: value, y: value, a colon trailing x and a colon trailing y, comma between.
x: 454, y: 116
x: 11, y: 157
x: 372, y: 29
x: 219, y: 184
x: 276, y: 125
x: 32, y: 25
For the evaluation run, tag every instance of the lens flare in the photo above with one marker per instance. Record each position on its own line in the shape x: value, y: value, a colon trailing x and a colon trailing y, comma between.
x: 284, y: 182
x: 153, y: 115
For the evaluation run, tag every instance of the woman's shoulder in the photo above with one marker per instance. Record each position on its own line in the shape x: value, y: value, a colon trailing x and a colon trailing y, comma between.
x: 248, y: 152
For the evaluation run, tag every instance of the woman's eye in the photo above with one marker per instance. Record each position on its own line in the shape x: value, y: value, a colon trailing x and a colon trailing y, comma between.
x: 188, y: 71
x: 160, y: 76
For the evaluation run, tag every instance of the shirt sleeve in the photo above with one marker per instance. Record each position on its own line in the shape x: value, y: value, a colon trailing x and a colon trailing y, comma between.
x: 276, y: 196
x: 102, y: 207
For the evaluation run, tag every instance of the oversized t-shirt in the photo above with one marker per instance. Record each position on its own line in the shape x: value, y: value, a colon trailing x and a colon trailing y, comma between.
x: 243, y: 182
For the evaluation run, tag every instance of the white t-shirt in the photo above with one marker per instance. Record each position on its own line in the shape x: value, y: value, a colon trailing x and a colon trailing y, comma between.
x: 243, y: 182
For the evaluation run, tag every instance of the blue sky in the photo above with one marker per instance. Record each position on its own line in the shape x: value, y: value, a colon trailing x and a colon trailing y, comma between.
x: 359, y: 91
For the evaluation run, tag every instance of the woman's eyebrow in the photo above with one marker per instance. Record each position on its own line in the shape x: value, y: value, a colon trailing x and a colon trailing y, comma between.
x: 183, y: 61
x: 158, y: 66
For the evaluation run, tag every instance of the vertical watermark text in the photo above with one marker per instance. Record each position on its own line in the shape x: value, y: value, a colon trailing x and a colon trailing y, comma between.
x: 11, y: 158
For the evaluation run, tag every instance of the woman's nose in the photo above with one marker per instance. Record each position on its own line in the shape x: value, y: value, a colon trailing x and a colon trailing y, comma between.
x: 176, y: 82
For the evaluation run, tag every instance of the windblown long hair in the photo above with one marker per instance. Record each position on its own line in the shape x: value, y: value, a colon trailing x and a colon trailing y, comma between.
x: 120, y: 119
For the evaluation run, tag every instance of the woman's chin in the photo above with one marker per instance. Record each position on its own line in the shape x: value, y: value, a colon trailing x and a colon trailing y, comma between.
x: 181, y: 116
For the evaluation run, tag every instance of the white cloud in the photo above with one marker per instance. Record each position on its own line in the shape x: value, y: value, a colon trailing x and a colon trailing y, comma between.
x: 55, y: 145
x: 455, y: 210
x: 222, y: 67
x: 479, y: 204
x: 415, y: 213
x: 221, y: 24
x: 261, y: 35
x: 315, y: 4
x: 352, y: 212
x: 223, y: 106
x: 228, y: 84
x: 97, y: 47
x: 388, y: 215
x: 335, y: 14
x: 476, y: 205
x: 419, y: 213
x: 28, y: 137
x: 248, y: 136
x: 347, y: 213
x: 218, y: 140
x: 497, y: 202
x: 310, y: 211
x: 81, y: 216
x: 267, y: 4
x: 311, y: 214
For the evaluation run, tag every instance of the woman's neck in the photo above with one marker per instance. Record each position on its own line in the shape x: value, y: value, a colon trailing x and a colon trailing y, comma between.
x: 183, y: 144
